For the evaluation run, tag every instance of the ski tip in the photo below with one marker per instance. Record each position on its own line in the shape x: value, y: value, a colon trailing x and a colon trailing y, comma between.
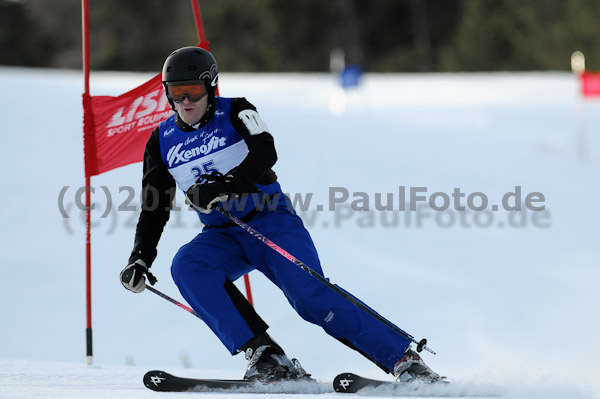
x: 152, y: 379
x: 343, y: 382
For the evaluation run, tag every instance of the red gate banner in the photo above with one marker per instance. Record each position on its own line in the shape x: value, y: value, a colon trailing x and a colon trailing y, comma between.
x: 116, y: 128
x: 590, y: 84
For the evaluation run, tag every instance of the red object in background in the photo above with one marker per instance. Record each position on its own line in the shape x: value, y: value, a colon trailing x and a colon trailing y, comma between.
x: 590, y: 84
x: 116, y: 129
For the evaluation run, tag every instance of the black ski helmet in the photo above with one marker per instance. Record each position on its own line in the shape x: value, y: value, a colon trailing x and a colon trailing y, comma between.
x: 192, y: 63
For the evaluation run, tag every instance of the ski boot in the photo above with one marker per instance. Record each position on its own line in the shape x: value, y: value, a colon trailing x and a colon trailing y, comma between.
x: 412, y: 368
x: 269, y: 363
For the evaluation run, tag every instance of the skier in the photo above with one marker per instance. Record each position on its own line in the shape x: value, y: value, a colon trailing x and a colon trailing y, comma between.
x: 219, y: 151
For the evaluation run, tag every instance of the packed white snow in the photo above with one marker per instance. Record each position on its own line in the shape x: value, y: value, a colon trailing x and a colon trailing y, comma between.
x: 509, y: 300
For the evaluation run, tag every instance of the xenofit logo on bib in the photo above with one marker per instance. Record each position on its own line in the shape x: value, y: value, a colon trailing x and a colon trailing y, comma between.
x: 177, y: 155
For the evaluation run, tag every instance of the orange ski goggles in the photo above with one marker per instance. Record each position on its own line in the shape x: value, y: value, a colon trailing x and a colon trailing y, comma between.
x: 194, y: 91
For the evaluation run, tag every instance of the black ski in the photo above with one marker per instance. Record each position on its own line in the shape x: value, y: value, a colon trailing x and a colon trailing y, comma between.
x: 161, y: 381
x: 352, y: 383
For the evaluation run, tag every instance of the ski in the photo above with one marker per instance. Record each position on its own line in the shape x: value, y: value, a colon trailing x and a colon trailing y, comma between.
x: 161, y: 381
x: 352, y: 383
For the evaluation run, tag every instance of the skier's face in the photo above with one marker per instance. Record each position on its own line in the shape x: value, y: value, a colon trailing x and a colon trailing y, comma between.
x: 191, y: 112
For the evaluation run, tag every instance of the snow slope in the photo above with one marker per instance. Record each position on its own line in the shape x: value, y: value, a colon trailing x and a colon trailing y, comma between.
x: 508, y: 299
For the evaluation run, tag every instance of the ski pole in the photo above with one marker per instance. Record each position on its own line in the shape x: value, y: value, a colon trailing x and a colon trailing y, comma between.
x: 420, y: 344
x: 176, y: 302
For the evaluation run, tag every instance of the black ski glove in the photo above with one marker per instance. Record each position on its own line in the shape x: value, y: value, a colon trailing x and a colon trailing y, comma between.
x: 133, y: 276
x: 211, y: 189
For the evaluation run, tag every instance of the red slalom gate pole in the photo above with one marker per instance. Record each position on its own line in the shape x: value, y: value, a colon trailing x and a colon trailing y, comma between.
x: 202, y: 41
x: 88, y: 219
x: 198, y: 20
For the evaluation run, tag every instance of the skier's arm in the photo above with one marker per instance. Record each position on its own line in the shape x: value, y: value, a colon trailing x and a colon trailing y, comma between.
x: 158, y: 193
x: 256, y: 167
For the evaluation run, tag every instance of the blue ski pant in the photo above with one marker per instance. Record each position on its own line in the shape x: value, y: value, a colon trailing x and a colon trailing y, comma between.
x: 204, y: 270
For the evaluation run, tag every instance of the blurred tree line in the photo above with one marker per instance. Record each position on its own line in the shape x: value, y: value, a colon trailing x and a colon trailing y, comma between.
x: 298, y: 36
